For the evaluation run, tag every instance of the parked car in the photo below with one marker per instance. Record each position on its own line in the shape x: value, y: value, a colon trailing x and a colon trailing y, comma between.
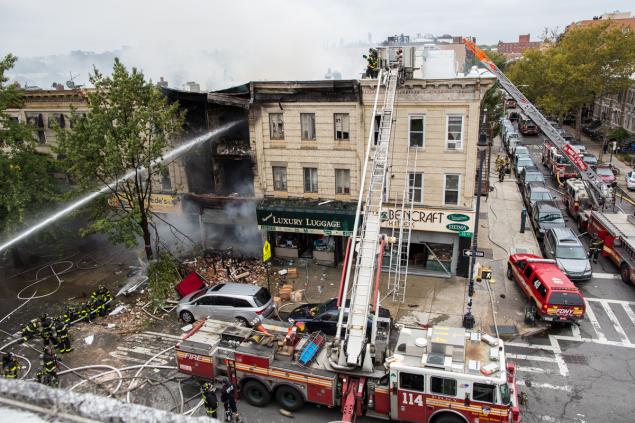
x: 530, y: 174
x: 552, y: 296
x: 606, y: 174
x: 546, y: 215
x: 227, y: 301
x: 521, y: 151
x: 323, y: 316
x: 630, y: 180
x: 590, y: 160
x: 522, y: 162
x: 536, y: 191
x: 562, y: 245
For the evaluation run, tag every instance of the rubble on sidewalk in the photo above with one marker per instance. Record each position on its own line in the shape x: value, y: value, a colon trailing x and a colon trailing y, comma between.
x: 221, y: 266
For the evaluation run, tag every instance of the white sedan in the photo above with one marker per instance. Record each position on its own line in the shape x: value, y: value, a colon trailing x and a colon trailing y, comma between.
x: 630, y: 180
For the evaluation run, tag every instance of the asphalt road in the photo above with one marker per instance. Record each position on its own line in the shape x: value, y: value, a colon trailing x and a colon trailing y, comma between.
x: 582, y: 374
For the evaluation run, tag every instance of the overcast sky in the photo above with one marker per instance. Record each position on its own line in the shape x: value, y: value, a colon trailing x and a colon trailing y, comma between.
x: 271, y: 39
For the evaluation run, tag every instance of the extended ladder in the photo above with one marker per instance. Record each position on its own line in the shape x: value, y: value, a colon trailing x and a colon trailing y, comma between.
x: 369, y: 233
x: 598, y: 190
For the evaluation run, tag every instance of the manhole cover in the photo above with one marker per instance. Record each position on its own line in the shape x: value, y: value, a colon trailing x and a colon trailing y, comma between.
x: 575, y: 359
x: 505, y: 330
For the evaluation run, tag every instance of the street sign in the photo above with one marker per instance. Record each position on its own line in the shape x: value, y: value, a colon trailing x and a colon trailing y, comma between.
x: 465, y: 234
x: 469, y: 253
x: 266, y: 251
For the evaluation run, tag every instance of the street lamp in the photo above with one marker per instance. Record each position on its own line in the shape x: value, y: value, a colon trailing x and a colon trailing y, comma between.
x: 468, y: 318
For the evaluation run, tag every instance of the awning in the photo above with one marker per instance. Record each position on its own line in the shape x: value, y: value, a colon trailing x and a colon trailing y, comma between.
x: 306, y: 216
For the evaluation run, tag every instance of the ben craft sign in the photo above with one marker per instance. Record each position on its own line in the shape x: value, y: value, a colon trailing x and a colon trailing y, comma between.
x: 433, y: 220
x: 306, y: 222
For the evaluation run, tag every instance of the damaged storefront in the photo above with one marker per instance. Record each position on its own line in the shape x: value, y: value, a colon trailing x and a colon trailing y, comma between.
x: 437, y: 239
x: 309, y: 229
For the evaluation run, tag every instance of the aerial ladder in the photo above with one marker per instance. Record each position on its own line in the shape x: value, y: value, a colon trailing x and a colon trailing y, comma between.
x: 598, y: 191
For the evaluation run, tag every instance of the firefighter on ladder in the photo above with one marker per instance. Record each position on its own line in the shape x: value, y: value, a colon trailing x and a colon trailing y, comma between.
x: 208, y: 392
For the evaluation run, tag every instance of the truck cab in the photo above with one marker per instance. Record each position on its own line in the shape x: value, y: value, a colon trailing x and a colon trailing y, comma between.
x: 551, y: 294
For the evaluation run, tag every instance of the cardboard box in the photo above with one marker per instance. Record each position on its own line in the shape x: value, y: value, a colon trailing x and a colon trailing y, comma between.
x: 277, y: 301
x: 292, y: 272
x: 285, y: 293
x: 296, y: 296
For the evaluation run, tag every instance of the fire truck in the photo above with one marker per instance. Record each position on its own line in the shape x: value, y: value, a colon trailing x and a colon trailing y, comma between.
x: 617, y: 230
x: 560, y: 168
x: 526, y: 126
x: 431, y: 375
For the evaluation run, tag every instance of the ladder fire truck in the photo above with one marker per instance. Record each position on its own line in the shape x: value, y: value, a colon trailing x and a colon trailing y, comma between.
x: 426, y: 375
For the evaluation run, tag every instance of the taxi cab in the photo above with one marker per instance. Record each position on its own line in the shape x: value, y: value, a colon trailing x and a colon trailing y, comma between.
x: 552, y: 296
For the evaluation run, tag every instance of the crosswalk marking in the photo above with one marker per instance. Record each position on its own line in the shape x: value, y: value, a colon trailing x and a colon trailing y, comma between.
x: 575, y: 330
x: 594, y: 321
x: 565, y: 388
x: 606, y: 275
x: 562, y: 366
x: 530, y: 357
x: 531, y: 346
x: 529, y: 369
x: 629, y: 313
x: 598, y: 300
x: 616, y: 324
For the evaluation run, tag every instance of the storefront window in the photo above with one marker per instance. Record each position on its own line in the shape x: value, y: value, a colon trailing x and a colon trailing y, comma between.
x: 431, y: 256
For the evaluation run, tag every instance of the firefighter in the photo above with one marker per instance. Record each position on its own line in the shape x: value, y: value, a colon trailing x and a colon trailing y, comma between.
x: 228, y: 397
x: 10, y: 366
x: 62, y: 340
x: 371, y: 65
x: 29, y: 330
x: 47, y: 330
x: 70, y: 315
x: 499, y: 162
x: 292, y: 334
x: 596, y: 246
x: 208, y: 392
x: 93, y: 307
x: 49, y: 367
x: 501, y: 172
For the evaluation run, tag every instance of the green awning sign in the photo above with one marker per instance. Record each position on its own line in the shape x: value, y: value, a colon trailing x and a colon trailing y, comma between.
x: 457, y: 227
x: 466, y: 234
x: 457, y: 217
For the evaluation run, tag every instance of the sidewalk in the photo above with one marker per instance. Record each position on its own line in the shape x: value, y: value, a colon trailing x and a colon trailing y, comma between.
x: 431, y: 300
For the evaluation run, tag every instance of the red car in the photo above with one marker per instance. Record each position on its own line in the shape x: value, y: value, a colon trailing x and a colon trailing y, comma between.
x: 606, y: 174
x: 552, y: 296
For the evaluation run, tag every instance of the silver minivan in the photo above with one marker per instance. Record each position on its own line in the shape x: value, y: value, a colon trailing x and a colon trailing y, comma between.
x: 240, y: 302
x: 562, y: 245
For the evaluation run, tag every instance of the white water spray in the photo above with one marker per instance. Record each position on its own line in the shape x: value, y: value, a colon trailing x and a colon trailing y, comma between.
x: 88, y: 198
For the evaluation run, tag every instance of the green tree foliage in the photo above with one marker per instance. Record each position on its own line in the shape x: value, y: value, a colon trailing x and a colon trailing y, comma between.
x: 129, y: 124
x: 493, y: 107
x: 28, y: 186
x: 162, y: 276
x: 584, y: 63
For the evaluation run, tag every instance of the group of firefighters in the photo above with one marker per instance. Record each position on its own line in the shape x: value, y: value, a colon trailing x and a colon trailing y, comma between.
x: 227, y: 397
x: 502, y: 166
x: 54, y: 335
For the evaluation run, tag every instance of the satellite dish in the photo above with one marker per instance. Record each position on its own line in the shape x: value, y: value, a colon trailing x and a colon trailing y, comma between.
x: 70, y: 84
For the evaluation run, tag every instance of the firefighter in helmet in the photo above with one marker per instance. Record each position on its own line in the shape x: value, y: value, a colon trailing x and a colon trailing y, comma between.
x: 208, y: 392
x: 10, y: 366
x: 596, y: 247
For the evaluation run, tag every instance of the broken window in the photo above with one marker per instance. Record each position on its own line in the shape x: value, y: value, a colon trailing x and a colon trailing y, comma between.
x: 310, y: 179
x: 276, y: 126
x: 342, y: 181
x: 279, y: 178
x: 451, y: 191
x: 56, y: 117
x: 166, y: 182
x: 307, y: 126
x: 416, y: 126
x: 36, y: 121
x: 342, y: 126
x: 415, y: 187
x: 454, y: 137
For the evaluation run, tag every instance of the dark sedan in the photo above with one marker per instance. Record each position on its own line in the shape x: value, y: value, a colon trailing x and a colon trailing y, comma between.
x: 323, y: 316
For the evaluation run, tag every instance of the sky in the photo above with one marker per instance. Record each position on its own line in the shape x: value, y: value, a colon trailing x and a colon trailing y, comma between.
x: 220, y: 43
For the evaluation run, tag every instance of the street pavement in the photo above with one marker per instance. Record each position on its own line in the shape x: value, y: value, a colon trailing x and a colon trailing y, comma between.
x: 586, y: 373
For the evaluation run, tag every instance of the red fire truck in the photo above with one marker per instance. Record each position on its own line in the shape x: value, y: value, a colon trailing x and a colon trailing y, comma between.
x: 617, y: 230
x: 557, y: 164
x: 440, y: 375
x: 526, y: 126
x: 576, y: 200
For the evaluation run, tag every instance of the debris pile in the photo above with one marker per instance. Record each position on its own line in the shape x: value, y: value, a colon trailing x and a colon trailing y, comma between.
x: 221, y: 266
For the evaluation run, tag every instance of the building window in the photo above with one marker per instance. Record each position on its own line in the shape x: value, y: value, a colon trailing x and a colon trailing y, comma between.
x: 342, y: 181
x: 307, y: 126
x: 166, y: 182
x: 36, y: 121
x: 415, y: 187
x: 441, y: 385
x: 276, y: 126
x: 416, y: 125
x: 279, y: 178
x: 376, y: 128
x: 342, y: 126
x: 310, y: 179
x: 451, y: 190
x: 454, y: 138
x: 57, y: 117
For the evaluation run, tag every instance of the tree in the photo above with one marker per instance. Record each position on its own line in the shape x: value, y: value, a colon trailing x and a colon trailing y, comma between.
x: 28, y: 186
x: 129, y: 124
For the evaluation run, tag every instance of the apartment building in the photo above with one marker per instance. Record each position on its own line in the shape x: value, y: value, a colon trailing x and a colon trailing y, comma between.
x: 617, y: 109
x: 309, y: 140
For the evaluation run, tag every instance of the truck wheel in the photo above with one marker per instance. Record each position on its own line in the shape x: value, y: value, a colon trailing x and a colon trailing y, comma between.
x: 256, y: 393
x: 510, y: 276
x: 448, y: 418
x: 625, y: 273
x: 187, y: 317
x: 289, y: 398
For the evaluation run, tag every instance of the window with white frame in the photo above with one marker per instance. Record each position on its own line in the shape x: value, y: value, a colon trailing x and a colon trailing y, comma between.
x: 415, y: 187
x: 454, y: 133
x: 279, y: 178
x: 451, y: 190
x: 416, y: 127
x: 310, y: 179
x: 342, y: 181
x: 342, y: 126
x: 307, y: 126
x: 276, y: 126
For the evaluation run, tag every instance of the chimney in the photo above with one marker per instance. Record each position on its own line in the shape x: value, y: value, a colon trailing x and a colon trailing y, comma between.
x: 523, y: 38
